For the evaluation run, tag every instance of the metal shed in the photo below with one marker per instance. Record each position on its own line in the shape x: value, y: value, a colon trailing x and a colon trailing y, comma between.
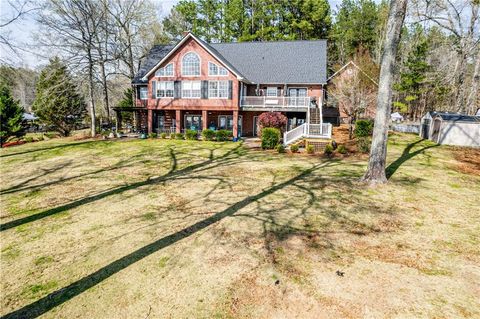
x: 451, y: 129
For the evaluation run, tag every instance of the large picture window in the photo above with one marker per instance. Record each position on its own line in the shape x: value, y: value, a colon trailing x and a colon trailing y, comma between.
x: 214, y: 69
x: 165, y: 71
x: 191, y: 64
x: 164, y: 89
x: 191, y: 89
x: 218, y: 89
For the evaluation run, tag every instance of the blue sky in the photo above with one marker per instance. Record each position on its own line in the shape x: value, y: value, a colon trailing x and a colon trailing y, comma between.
x: 22, y: 32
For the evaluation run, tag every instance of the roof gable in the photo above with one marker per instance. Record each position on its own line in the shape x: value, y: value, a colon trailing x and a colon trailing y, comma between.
x: 203, y: 44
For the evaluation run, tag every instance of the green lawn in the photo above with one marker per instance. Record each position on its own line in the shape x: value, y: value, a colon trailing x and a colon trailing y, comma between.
x: 183, y: 229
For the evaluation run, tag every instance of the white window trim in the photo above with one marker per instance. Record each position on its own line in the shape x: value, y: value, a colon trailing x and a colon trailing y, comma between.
x: 218, y: 68
x: 199, y: 61
x: 190, y: 97
x: 140, y: 94
x: 166, y: 76
x: 218, y: 90
x: 164, y: 97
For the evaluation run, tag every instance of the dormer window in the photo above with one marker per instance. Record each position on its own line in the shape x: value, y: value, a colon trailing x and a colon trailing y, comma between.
x: 214, y: 69
x: 191, y: 64
x: 165, y: 71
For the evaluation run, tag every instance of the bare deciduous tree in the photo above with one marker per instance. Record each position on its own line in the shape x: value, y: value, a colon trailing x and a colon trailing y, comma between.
x: 71, y: 27
x: 460, y: 19
x: 376, y: 165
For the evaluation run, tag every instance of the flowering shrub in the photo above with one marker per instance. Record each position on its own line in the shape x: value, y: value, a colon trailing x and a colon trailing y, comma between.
x: 272, y: 119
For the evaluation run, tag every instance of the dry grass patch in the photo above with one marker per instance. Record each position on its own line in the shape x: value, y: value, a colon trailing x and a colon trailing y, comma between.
x: 183, y: 229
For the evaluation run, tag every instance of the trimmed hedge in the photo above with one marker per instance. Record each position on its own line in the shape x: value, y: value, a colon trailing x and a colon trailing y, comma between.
x: 208, y: 134
x: 179, y: 136
x: 280, y: 148
x: 270, y: 137
x: 363, y: 128
x: 191, y: 135
x: 294, y: 148
x: 223, y: 135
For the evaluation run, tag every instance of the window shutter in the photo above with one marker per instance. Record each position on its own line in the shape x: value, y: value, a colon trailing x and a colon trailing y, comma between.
x: 285, y: 90
x: 204, y: 89
x: 230, y: 89
x: 154, y: 89
x: 177, y: 87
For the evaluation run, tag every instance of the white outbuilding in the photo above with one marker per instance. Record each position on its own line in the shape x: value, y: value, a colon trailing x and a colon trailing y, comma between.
x: 451, y: 129
x: 396, y: 117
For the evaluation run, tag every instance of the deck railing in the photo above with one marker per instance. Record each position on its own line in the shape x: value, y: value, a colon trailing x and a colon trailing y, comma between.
x: 274, y: 101
x: 323, y: 130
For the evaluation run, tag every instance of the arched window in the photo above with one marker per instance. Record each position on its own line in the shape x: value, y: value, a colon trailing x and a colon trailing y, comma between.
x: 190, y: 64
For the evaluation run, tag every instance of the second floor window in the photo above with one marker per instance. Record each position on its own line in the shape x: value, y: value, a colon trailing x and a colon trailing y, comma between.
x: 214, y: 69
x: 165, y: 71
x: 272, y: 91
x: 143, y: 93
x: 218, y: 89
x: 191, y: 64
x: 164, y: 89
x: 191, y: 89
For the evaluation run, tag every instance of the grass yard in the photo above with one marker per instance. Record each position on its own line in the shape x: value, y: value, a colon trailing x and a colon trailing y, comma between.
x: 182, y: 229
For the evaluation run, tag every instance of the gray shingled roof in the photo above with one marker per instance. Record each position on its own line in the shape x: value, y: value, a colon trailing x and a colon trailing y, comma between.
x: 457, y: 117
x: 278, y: 62
x: 156, y: 53
x: 290, y: 62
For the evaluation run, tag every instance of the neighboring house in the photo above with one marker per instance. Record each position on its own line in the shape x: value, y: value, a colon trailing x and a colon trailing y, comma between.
x: 198, y: 85
x: 346, y: 94
x: 451, y: 129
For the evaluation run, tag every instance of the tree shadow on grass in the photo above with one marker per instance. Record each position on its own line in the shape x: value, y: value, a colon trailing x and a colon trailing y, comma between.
x: 173, y: 173
x: 406, y: 155
x: 53, y: 147
x: 62, y: 295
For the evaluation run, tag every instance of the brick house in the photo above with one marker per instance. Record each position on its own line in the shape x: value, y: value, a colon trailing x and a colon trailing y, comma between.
x: 198, y: 85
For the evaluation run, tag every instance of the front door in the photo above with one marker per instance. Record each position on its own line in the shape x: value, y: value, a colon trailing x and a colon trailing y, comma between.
x: 297, y: 96
x: 255, y: 126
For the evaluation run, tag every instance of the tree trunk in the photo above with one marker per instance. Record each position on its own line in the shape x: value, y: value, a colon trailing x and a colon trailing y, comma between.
x: 105, y: 90
x: 460, y: 83
x: 378, y: 154
x: 473, y: 96
x: 92, y: 96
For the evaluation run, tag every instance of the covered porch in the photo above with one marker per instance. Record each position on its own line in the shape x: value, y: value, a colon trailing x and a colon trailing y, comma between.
x: 131, y: 119
x: 178, y: 121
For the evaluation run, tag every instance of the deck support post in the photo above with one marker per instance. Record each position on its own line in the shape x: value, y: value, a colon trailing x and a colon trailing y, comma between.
x: 149, y: 121
x: 235, y: 124
x: 204, y: 119
x: 178, y: 121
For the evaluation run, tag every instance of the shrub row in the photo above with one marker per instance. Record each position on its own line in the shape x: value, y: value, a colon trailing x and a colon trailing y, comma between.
x: 208, y: 135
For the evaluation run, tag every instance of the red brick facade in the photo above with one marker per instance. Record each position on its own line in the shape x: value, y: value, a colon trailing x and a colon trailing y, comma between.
x: 176, y: 113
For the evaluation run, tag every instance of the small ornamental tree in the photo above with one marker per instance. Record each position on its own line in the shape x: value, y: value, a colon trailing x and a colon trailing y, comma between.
x: 11, y: 115
x: 57, y: 102
x: 272, y: 119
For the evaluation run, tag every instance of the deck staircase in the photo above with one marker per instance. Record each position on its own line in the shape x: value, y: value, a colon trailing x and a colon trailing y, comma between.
x: 313, y: 129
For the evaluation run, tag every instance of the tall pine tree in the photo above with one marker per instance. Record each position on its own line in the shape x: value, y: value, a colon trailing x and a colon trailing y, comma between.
x: 11, y: 115
x: 412, y: 82
x: 57, y: 102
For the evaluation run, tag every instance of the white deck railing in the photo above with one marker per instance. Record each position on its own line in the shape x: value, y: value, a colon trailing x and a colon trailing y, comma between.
x: 274, y: 101
x: 308, y: 130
